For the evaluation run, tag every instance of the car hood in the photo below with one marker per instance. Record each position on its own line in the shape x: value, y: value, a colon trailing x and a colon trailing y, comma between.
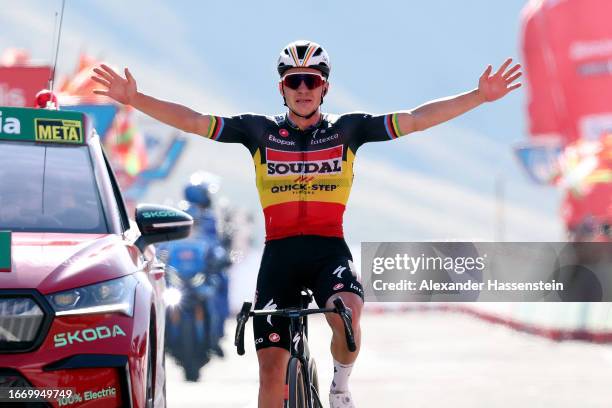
x: 52, y: 262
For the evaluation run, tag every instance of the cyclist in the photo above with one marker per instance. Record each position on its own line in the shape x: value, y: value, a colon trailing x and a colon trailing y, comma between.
x: 304, y: 171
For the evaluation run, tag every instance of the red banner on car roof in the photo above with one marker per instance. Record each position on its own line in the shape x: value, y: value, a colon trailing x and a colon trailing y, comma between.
x: 20, y: 84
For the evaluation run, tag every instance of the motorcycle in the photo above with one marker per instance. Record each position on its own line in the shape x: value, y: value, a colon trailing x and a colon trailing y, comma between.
x: 193, y: 283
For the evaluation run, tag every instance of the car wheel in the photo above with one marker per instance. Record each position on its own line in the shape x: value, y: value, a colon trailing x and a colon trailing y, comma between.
x: 189, y: 358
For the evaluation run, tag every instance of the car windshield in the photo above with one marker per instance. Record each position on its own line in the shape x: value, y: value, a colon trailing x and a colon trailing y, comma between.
x: 48, y: 189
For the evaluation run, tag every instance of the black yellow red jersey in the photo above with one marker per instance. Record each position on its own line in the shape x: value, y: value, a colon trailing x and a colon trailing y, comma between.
x: 304, y: 177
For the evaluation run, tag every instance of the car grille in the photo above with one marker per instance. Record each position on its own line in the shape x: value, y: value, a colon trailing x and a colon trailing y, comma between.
x: 20, y: 321
x: 13, y: 380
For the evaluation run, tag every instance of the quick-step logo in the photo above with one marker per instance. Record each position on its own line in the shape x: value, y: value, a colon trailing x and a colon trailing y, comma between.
x: 283, y: 163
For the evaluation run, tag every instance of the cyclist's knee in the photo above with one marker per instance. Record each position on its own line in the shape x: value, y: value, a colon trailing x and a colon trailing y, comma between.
x: 272, y: 365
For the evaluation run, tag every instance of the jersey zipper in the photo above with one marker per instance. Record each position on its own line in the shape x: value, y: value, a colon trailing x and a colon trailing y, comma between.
x: 302, y: 193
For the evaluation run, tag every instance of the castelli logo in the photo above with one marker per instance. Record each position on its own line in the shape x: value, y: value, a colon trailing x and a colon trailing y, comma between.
x: 338, y: 286
x: 274, y: 338
x: 283, y: 132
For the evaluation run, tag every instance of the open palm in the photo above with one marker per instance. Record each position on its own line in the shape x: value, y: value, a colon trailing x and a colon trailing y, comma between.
x: 493, y: 87
x: 123, y: 90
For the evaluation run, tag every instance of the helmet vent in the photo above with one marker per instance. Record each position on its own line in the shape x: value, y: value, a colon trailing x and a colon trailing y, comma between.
x: 301, y: 51
x: 317, y: 52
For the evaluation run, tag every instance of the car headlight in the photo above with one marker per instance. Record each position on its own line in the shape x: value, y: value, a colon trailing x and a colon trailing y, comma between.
x: 115, y: 295
x: 172, y: 296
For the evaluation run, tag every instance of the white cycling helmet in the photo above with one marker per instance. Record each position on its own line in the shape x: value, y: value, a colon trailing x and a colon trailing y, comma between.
x: 306, y: 54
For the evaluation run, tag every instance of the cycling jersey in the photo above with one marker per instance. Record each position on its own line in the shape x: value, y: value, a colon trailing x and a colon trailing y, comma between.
x: 303, y: 177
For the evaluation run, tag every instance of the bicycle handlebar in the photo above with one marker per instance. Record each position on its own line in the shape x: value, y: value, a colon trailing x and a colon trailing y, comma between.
x: 339, y: 308
x: 347, y: 320
x: 242, y: 318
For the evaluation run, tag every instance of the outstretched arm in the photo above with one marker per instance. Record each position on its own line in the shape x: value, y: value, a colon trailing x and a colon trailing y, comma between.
x: 490, y: 88
x: 125, y: 91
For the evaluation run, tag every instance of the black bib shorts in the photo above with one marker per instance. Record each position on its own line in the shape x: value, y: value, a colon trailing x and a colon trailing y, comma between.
x: 321, y: 264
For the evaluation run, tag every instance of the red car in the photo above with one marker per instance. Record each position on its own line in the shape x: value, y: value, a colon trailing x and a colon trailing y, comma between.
x: 81, y: 311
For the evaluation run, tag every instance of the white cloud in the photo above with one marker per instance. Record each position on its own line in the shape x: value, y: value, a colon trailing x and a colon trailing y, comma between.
x: 409, y: 205
x: 340, y: 99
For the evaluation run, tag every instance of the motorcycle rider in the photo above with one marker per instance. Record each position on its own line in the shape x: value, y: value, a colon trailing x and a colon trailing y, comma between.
x: 199, y: 194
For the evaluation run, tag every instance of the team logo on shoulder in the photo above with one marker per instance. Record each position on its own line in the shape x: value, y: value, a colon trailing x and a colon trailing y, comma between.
x: 326, y: 139
x: 283, y: 132
x: 275, y: 139
x: 274, y: 337
x: 338, y: 286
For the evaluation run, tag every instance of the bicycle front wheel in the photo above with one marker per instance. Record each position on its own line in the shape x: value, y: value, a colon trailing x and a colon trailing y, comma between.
x: 296, y: 396
x: 314, y: 383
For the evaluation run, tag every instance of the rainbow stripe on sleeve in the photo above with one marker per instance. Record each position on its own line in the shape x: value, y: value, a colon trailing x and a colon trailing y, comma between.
x: 392, y: 126
x: 215, y: 127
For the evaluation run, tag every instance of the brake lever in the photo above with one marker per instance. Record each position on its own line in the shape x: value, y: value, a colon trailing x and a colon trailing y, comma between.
x: 242, y: 318
x: 347, y: 319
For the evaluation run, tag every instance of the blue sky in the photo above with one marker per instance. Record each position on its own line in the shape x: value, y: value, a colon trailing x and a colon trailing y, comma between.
x: 386, y: 55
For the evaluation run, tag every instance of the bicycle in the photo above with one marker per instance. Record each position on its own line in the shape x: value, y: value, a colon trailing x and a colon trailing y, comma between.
x: 301, y: 380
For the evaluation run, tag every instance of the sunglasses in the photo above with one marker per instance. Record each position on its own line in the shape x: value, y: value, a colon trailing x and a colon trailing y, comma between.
x: 312, y: 81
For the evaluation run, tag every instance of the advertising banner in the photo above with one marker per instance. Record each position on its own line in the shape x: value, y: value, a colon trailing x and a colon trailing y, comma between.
x: 19, y: 85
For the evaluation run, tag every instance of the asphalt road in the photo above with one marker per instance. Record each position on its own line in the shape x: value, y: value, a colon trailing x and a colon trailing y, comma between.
x: 431, y: 359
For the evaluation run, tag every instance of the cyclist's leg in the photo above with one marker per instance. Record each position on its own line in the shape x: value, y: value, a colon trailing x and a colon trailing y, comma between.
x: 272, y: 369
x: 335, y: 276
x: 338, y: 279
x: 276, y: 289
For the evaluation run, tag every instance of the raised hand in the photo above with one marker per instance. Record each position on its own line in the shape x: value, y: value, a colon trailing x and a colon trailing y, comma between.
x: 493, y: 87
x: 123, y: 90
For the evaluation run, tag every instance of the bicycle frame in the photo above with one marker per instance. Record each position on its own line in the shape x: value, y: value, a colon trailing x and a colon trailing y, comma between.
x: 301, y: 351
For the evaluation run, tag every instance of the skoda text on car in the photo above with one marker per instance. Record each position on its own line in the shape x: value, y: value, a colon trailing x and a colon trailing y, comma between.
x: 81, y: 305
